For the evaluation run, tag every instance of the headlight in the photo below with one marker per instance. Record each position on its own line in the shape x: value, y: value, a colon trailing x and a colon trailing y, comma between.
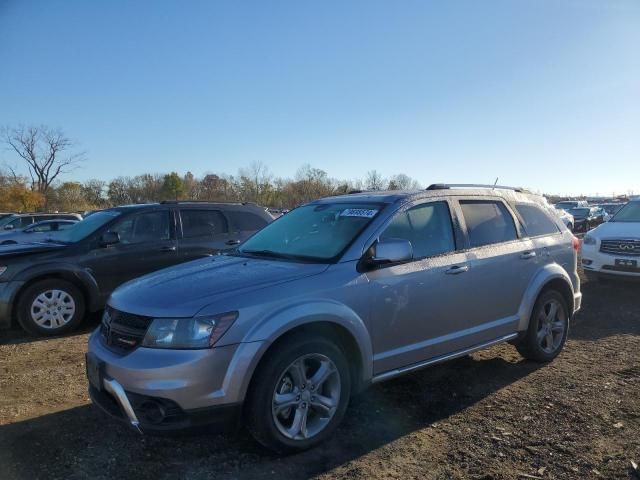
x: 188, y: 333
x: 589, y: 240
x: 3, y: 269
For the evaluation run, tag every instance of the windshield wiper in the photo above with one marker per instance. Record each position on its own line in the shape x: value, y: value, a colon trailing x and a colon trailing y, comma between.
x: 273, y: 254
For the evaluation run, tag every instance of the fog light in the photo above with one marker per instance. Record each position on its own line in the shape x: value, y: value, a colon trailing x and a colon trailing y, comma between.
x: 586, y: 261
x: 152, y: 412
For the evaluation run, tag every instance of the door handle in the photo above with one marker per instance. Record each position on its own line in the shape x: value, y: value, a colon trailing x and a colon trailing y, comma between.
x: 233, y: 242
x: 456, y: 269
x: 527, y: 255
x: 168, y: 248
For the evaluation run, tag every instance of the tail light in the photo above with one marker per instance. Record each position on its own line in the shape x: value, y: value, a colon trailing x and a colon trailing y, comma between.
x: 575, y: 242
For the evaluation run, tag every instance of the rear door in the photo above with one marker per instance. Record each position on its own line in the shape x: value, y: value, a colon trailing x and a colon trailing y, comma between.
x: 147, y: 243
x: 204, y: 232
x: 502, y: 262
x: 543, y: 232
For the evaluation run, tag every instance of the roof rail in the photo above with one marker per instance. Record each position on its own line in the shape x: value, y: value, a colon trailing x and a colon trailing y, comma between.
x: 446, y: 186
x: 171, y: 202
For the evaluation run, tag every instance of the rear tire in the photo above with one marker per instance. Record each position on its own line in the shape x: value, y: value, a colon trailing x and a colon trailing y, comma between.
x: 278, y: 397
x: 50, y: 307
x: 548, y: 328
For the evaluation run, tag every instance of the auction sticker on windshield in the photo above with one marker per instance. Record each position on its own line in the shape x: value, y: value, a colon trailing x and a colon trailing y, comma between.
x: 359, y: 212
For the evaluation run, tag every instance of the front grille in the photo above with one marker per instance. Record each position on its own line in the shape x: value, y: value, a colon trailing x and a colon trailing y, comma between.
x: 630, y: 248
x: 123, y: 331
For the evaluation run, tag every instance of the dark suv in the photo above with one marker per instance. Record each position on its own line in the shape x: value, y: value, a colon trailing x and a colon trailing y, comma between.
x: 48, y: 286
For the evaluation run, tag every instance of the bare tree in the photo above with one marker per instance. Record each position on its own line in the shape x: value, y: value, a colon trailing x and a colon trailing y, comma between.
x: 46, y: 151
x: 375, y: 181
x: 402, y: 182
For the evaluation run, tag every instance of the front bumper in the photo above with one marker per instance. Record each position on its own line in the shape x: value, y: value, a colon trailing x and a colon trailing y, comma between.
x: 159, y: 391
x: 598, y: 264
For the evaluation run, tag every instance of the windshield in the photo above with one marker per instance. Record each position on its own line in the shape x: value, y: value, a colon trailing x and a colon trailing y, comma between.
x: 85, y: 227
x: 6, y: 220
x: 579, y: 212
x: 629, y: 213
x: 611, y: 209
x: 315, y: 232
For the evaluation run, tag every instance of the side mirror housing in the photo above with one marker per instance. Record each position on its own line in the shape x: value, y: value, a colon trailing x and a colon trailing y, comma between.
x: 109, y: 238
x: 392, y: 250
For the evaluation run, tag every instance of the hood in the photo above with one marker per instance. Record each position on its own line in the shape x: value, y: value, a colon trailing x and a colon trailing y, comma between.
x: 184, y: 290
x: 18, y: 249
x: 617, y: 230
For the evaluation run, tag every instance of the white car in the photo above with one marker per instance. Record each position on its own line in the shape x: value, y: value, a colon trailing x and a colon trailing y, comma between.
x: 613, y: 248
x: 566, y: 218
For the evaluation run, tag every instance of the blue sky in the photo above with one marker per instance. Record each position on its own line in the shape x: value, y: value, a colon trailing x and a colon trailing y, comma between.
x: 541, y: 93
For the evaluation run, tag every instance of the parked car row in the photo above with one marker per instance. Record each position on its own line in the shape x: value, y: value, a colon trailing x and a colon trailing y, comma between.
x: 580, y: 216
x: 48, y: 285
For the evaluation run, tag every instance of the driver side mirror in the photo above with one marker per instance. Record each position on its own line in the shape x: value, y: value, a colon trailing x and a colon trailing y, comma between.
x: 392, y: 250
x: 109, y: 238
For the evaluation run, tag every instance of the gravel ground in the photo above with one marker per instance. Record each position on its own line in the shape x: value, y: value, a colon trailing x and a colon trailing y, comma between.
x: 490, y: 415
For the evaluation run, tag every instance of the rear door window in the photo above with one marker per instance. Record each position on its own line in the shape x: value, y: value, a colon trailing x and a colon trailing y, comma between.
x: 428, y: 227
x: 536, y: 221
x: 488, y: 222
x: 203, y: 223
x: 246, y: 221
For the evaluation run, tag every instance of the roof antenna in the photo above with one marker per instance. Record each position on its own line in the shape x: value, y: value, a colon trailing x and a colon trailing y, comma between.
x: 496, y: 182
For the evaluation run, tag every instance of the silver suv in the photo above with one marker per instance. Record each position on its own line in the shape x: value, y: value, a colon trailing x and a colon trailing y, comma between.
x: 337, y: 294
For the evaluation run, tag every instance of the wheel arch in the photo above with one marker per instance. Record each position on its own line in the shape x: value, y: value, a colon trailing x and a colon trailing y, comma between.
x: 354, y: 342
x: 83, y: 280
x: 551, y: 277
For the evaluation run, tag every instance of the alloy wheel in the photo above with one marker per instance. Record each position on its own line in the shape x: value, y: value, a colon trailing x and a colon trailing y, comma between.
x: 306, y: 397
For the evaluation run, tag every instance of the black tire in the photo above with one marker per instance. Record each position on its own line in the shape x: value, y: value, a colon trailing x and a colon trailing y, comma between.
x: 258, y: 407
x: 529, y: 347
x: 28, y: 297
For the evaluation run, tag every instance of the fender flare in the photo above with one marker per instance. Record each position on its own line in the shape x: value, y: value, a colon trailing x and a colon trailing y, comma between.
x: 74, y: 273
x: 545, y: 275
x: 272, y: 327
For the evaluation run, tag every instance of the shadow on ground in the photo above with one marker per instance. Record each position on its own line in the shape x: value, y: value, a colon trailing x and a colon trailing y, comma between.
x: 15, y: 335
x: 608, y: 309
x: 82, y: 442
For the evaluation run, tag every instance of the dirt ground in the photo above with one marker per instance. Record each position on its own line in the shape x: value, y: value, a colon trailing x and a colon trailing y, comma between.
x: 490, y: 415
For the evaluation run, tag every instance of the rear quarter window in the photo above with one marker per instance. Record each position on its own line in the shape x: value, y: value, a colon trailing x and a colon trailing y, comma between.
x: 246, y: 221
x: 536, y: 221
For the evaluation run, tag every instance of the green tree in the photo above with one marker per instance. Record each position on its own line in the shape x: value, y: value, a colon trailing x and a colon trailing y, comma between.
x: 173, y: 186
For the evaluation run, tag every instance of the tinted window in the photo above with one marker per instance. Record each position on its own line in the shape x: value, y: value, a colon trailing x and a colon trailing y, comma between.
x: 536, y: 221
x: 203, y: 223
x: 488, y: 223
x: 246, y: 221
x: 143, y: 227
x: 21, y: 222
x: 427, y: 227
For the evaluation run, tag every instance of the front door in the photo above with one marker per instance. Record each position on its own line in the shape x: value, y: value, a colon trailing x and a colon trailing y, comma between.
x: 417, y: 307
x: 147, y: 243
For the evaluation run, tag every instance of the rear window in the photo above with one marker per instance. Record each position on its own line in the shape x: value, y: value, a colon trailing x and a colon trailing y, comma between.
x: 246, y: 221
x: 536, y: 221
x: 488, y: 222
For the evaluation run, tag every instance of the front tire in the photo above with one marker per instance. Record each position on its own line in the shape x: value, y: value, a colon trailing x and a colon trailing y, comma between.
x: 50, y: 307
x: 299, y: 394
x: 548, y: 328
